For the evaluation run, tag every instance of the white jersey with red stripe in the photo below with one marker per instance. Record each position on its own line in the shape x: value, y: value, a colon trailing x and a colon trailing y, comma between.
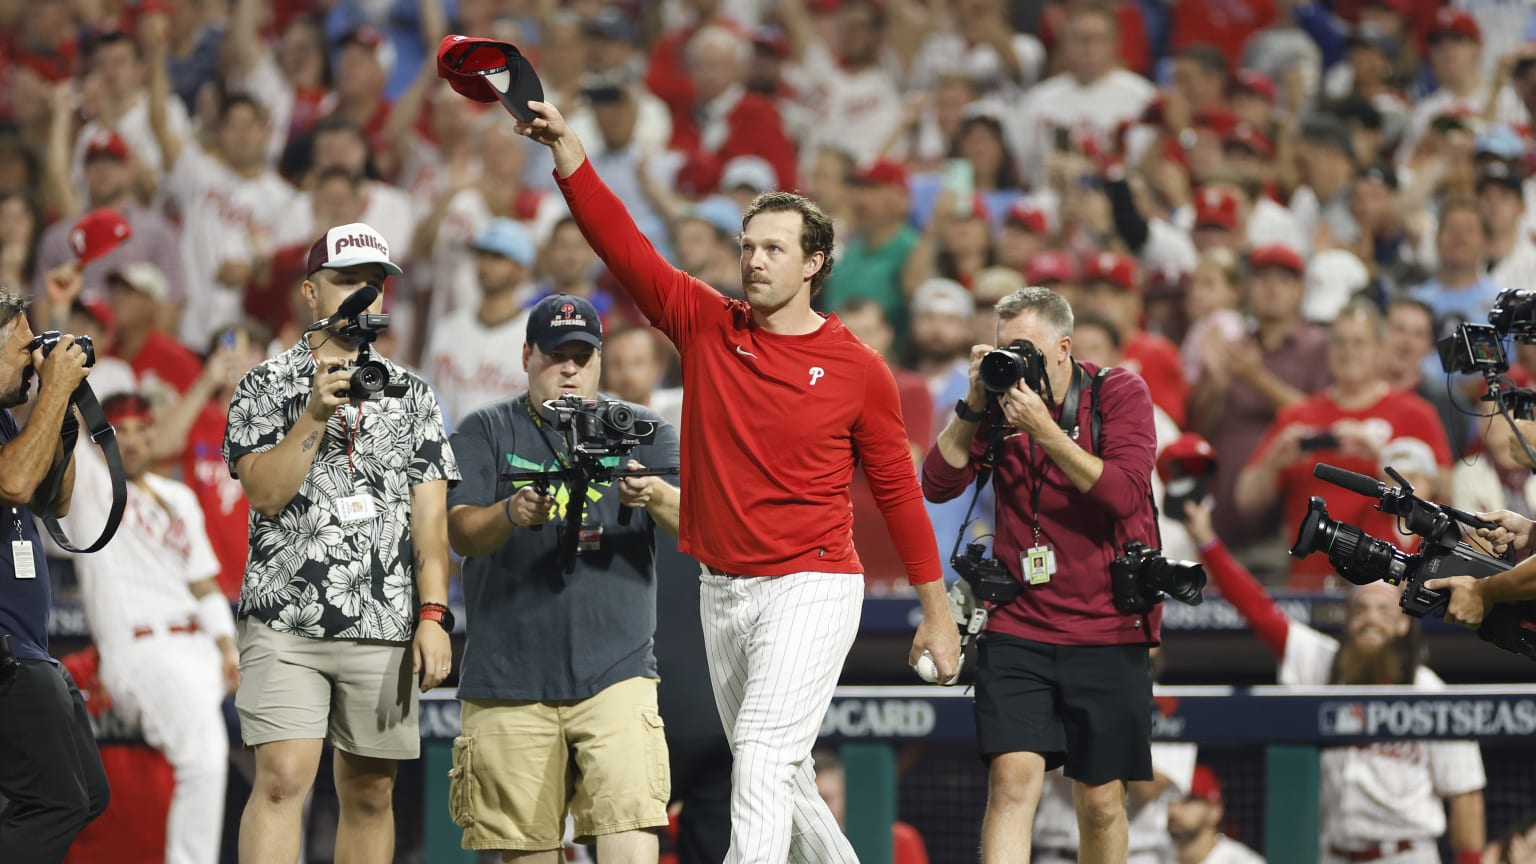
x: 1386, y: 791
x: 1229, y: 851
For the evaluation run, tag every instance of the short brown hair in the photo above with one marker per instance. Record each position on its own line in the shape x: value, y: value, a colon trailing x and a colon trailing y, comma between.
x: 816, y: 233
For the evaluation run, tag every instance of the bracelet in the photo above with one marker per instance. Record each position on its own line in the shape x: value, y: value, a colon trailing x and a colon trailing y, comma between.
x: 506, y: 507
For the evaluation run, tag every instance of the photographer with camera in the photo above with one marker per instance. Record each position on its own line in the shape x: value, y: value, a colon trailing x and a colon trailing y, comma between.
x: 50, y: 771
x: 562, y: 657
x: 344, y: 460
x: 1386, y: 801
x: 1063, y: 677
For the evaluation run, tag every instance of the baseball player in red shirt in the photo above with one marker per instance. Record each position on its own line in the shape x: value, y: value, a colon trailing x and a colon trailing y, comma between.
x: 781, y: 403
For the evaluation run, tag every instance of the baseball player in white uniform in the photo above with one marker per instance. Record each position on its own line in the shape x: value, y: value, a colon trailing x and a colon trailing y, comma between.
x: 1384, y: 802
x: 1056, y: 835
x: 161, y: 625
x: 1194, y: 826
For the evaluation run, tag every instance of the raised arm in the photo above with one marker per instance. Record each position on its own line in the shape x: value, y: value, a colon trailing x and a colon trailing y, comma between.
x: 1236, y: 584
x: 156, y: 34
x: 671, y: 299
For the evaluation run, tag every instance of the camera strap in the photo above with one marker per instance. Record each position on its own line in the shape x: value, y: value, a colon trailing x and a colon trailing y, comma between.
x: 105, y: 437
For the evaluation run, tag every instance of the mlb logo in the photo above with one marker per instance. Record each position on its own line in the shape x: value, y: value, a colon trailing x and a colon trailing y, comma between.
x: 1341, y: 718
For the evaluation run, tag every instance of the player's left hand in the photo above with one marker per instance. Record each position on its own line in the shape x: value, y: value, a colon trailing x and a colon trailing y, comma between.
x: 1025, y: 410
x: 939, y: 636
x: 229, y: 665
x: 637, y: 491
x: 434, y: 654
x: 1468, y: 606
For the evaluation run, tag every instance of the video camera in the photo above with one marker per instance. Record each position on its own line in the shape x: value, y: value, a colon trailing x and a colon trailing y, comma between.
x: 370, y: 377
x: 1362, y: 559
x: 1478, y: 349
x: 1001, y: 368
x: 599, y: 435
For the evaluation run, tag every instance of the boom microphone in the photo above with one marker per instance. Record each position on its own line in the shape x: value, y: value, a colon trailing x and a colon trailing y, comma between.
x: 1357, y: 483
x: 356, y: 303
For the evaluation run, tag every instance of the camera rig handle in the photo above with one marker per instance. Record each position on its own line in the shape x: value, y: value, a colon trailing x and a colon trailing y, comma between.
x: 577, y: 479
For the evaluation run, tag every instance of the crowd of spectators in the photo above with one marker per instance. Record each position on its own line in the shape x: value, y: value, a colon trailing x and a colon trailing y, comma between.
x: 1269, y: 209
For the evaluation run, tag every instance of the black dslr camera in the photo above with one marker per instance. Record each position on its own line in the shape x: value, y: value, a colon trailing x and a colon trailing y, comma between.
x: 49, y: 339
x: 1139, y: 579
x: 1001, y: 368
x: 989, y: 579
x: 1362, y: 559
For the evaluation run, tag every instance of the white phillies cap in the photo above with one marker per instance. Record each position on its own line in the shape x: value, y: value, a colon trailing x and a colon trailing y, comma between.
x: 349, y: 245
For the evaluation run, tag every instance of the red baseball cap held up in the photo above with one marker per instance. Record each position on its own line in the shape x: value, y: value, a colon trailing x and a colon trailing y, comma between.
x: 97, y: 233
x: 1187, y: 456
x: 486, y: 71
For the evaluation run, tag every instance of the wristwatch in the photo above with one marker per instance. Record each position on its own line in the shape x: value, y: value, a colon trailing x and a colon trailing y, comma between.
x: 964, y: 412
x: 439, y: 613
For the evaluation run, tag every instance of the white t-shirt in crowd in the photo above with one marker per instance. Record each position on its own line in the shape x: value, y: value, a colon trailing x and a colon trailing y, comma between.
x: 219, y: 211
x: 1509, y: 111
x: 831, y: 101
x: 133, y: 127
x: 1386, y: 791
x: 946, y: 52
x: 1518, y: 268
x: 454, y: 283
x: 471, y: 365
x: 1061, y: 101
x: 1229, y: 851
x: 1056, y: 817
x: 653, y: 123
x: 388, y: 210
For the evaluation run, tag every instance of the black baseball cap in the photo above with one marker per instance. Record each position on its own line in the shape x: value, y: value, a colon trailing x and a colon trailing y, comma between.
x: 562, y: 318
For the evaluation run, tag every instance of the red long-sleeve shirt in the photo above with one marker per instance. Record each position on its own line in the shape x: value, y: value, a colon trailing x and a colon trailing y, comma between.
x: 772, y: 424
x: 1247, y: 596
x: 1086, y: 530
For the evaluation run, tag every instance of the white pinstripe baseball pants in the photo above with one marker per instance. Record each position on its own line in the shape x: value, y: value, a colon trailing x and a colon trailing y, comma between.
x: 776, y: 647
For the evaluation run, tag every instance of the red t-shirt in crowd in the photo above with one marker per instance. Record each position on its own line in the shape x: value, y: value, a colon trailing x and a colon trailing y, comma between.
x: 1085, y: 530
x: 773, y: 424
x: 1157, y: 361
x: 882, y: 564
x: 226, y: 512
x: 1395, y: 415
x: 164, y: 359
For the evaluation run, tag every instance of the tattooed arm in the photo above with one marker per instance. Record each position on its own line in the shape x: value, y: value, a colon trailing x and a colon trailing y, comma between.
x: 273, y: 477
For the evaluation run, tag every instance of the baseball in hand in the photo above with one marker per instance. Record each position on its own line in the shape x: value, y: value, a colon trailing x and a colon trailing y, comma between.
x: 929, y: 671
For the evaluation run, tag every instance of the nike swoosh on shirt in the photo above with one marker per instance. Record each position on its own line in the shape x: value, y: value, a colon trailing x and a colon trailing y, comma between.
x: 745, y: 353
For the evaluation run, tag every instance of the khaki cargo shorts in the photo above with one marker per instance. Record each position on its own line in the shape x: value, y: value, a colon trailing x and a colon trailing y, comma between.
x: 518, y: 764
x: 358, y: 694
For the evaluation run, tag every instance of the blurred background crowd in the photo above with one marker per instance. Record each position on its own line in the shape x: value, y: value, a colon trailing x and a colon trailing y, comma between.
x: 1269, y: 209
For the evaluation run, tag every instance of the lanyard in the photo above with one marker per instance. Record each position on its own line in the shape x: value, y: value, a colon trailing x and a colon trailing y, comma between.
x: 352, y: 433
x: 538, y: 423
x: 1069, y: 425
x: 16, y: 516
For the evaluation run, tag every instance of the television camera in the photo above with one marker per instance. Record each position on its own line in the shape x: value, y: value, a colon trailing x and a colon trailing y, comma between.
x: 599, y: 435
x: 354, y: 325
x: 1362, y: 559
x: 1478, y: 349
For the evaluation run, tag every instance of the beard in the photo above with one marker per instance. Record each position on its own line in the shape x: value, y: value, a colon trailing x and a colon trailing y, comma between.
x: 1358, y: 665
x: 18, y: 395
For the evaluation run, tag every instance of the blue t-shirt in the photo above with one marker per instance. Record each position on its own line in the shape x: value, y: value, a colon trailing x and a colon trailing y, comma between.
x: 1453, y: 307
x: 23, y: 602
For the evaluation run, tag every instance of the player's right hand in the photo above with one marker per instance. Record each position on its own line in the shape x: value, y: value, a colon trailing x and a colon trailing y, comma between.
x: 530, y: 507
x: 977, y: 397
x: 547, y: 128
x: 325, y: 397
x: 1513, y: 530
x: 64, y: 367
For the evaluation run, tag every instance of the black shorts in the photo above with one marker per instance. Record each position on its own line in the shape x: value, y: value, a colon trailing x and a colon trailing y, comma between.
x: 1087, y: 707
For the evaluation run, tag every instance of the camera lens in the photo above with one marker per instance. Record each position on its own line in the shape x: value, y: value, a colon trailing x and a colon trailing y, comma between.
x: 1358, y: 557
x: 370, y: 377
x: 1181, y: 580
x: 621, y: 418
x: 1000, y: 370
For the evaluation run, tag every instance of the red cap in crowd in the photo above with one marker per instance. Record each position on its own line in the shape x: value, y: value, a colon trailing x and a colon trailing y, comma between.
x: 1205, y: 786
x: 1245, y: 136
x: 105, y: 142
x: 1050, y: 266
x: 97, y: 233
x: 883, y: 172
x: 98, y: 311
x: 126, y: 406
x: 1256, y: 83
x: 1112, y: 267
x: 1027, y: 216
x: 1276, y: 255
x: 1187, y: 456
x: 1451, y: 21
x: 486, y: 70
x: 1216, y: 207
x: 1218, y: 120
